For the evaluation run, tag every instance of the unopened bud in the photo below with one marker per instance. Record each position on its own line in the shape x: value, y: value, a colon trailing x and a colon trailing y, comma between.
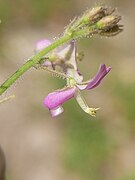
x: 108, y: 11
x: 99, y: 20
x: 94, y: 15
x: 112, y: 31
x: 108, y: 22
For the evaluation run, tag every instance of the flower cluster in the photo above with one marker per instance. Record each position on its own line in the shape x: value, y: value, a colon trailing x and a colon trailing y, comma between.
x: 99, y: 20
x: 60, y: 58
x: 66, y: 59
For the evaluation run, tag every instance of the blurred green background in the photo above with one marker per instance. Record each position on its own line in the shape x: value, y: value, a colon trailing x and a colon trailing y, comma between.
x: 74, y: 146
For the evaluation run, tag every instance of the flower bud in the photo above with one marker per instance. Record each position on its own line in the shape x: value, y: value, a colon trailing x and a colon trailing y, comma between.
x: 96, y: 13
x: 108, y: 22
x: 99, y: 20
x: 112, y: 31
x: 108, y: 11
x: 92, y: 16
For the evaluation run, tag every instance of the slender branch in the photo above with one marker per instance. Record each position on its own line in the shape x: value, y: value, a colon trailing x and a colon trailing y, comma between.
x: 31, y: 62
x: 99, y: 20
x: 36, y: 58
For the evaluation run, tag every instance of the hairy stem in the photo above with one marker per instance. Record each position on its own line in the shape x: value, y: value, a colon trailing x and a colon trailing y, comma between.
x: 31, y: 62
x: 36, y: 58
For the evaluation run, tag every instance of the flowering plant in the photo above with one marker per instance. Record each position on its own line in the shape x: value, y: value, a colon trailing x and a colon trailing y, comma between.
x: 98, y: 20
x: 73, y: 77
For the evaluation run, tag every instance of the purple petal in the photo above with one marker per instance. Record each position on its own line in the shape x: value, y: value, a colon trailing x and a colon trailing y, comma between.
x: 42, y: 44
x: 96, y: 80
x: 57, y: 98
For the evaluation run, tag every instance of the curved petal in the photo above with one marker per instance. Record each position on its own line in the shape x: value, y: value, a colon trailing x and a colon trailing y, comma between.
x: 57, y: 98
x: 42, y: 44
x: 96, y: 80
x: 71, y: 60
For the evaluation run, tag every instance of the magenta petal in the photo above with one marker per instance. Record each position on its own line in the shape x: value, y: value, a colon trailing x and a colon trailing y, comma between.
x: 42, y: 44
x: 57, y: 98
x: 95, y: 81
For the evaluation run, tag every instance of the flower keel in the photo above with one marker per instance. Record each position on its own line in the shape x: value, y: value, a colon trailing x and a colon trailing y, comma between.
x: 55, y: 99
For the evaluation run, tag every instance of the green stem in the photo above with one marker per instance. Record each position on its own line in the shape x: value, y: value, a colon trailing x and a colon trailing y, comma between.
x: 31, y: 62
x: 36, y: 58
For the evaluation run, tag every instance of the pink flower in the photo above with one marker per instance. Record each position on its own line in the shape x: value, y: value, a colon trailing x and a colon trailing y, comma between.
x: 54, y: 100
x: 66, y: 58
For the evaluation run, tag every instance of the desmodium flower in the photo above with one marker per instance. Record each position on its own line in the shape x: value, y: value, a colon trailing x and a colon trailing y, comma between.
x: 75, y: 84
x: 54, y: 100
x: 65, y: 56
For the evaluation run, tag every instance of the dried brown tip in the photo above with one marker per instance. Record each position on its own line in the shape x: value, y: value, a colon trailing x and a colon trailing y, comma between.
x: 108, y: 11
x: 95, y: 14
x: 112, y: 31
x: 108, y: 22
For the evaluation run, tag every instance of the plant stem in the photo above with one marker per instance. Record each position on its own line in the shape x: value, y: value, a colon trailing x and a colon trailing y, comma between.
x: 31, y: 62
x: 36, y: 58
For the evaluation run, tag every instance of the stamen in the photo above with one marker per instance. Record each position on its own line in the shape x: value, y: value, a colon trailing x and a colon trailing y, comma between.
x: 92, y: 111
x: 81, y: 101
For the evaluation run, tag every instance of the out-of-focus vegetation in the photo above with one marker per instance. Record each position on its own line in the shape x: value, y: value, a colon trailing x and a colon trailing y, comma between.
x: 73, y: 146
